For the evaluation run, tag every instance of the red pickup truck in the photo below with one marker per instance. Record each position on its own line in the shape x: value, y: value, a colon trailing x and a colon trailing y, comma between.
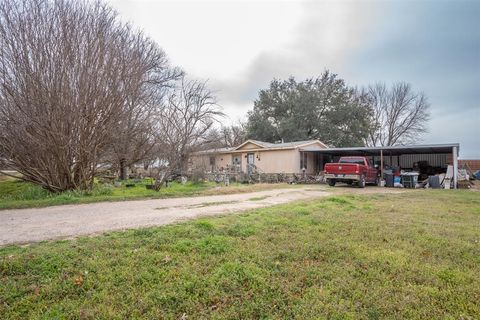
x: 351, y: 170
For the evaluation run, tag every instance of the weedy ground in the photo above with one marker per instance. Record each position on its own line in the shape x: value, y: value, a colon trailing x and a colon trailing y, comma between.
x: 16, y: 194
x: 413, y: 255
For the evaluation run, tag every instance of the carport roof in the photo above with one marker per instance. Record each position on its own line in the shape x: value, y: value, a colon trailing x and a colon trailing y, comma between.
x: 392, y: 150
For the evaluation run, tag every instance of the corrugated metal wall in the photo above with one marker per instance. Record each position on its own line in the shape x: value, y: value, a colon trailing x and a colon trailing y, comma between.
x: 407, y: 160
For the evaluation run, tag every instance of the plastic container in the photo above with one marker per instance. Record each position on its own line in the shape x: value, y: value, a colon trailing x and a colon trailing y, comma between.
x: 434, y: 182
x: 389, y: 180
x: 409, y: 179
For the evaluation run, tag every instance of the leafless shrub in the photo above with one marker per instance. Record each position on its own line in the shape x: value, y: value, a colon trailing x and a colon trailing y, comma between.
x: 73, y: 80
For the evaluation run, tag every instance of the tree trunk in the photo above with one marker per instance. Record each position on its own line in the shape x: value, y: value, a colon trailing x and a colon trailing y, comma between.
x: 162, y: 177
x: 123, y: 170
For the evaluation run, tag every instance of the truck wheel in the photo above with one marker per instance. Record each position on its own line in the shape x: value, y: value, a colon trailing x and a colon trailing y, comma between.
x: 361, y: 182
x: 331, y: 182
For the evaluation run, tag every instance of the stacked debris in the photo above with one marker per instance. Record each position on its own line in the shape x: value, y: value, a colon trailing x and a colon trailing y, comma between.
x: 465, y: 179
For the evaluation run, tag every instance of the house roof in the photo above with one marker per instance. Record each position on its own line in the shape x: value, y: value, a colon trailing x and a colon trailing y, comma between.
x: 308, y: 146
x: 262, y: 145
x: 283, y: 145
x: 387, y: 150
x: 216, y: 150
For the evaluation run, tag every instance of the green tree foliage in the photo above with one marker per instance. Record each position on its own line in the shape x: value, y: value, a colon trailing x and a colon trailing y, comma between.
x: 323, y: 108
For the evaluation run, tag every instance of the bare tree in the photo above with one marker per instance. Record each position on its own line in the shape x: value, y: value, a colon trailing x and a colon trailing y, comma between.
x: 234, y: 135
x: 399, y: 115
x: 213, y: 140
x: 70, y: 74
x: 225, y: 136
x: 134, y: 139
x: 182, y: 125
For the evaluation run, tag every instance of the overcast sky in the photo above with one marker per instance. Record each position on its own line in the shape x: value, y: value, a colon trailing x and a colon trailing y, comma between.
x: 240, y: 46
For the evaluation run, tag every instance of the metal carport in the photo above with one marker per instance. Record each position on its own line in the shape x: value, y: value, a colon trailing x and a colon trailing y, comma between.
x: 447, y: 150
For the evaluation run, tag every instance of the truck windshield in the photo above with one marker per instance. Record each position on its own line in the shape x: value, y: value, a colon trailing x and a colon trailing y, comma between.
x: 352, y: 160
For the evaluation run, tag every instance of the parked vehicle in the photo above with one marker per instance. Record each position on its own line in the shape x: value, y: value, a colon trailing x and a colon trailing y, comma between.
x: 351, y: 170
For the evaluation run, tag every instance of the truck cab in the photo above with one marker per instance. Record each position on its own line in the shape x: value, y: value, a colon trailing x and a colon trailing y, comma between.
x: 351, y: 170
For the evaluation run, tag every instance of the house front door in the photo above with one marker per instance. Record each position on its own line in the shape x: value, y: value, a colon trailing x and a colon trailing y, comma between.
x: 250, y: 162
x: 237, y: 163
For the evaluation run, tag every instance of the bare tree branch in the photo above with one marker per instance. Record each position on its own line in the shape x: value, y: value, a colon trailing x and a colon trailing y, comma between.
x: 183, y: 124
x: 399, y: 114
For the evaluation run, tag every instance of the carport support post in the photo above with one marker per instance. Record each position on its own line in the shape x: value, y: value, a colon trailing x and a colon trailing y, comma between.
x: 381, y: 164
x: 455, y: 166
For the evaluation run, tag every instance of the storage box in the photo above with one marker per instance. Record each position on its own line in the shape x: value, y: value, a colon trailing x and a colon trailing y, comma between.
x: 409, y: 179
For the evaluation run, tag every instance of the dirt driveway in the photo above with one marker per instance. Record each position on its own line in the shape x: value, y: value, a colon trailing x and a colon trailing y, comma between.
x: 38, y: 224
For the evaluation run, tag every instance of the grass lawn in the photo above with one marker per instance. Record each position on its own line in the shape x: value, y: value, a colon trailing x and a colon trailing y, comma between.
x: 413, y: 255
x: 15, y: 194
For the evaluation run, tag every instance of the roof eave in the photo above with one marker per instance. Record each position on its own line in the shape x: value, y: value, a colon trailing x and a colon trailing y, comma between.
x: 248, y: 141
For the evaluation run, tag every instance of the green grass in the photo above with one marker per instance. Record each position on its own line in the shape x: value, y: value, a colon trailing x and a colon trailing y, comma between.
x: 413, y: 255
x: 16, y: 194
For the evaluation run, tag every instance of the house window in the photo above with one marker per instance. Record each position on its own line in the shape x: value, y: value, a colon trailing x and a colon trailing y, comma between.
x: 303, y: 161
x: 237, y: 161
x: 212, y: 161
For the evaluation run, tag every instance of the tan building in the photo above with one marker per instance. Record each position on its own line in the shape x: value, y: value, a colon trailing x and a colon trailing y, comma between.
x: 293, y: 157
x: 263, y: 157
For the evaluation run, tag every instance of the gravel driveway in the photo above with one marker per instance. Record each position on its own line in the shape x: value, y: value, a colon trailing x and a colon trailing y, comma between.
x: 38, y: 224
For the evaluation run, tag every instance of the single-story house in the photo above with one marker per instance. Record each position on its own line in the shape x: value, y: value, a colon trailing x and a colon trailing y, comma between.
x: 262, y: 157
x: 310, y: 157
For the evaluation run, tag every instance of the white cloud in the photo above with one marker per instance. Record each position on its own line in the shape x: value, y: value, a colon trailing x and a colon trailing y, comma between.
x: 324, y: 36
x: 212, y: 39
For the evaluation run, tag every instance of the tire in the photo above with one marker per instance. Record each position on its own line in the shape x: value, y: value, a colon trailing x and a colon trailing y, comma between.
x: 331, y: 182
x: 361, y: 182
